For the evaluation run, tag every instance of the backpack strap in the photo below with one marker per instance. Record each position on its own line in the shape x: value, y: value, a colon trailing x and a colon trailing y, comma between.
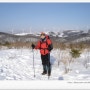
x: 46, y: 42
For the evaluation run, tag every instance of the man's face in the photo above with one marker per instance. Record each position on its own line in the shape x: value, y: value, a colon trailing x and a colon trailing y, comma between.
x: 42, y: 36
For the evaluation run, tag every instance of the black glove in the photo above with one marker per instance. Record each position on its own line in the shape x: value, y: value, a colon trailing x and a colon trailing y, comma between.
x: 50, y: 47
x: 33, y: 46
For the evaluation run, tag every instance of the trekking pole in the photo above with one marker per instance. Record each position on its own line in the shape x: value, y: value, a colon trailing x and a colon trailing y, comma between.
x: 49, y: 67
x: 48, y: 70
x: 33, y: 62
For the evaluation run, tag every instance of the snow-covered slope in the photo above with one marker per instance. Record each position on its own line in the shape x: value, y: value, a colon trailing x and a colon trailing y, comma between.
x: 17, y: 64
x: 23, y: 34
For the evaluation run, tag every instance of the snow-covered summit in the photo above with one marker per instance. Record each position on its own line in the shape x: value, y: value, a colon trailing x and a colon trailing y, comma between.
x: 22, y: 34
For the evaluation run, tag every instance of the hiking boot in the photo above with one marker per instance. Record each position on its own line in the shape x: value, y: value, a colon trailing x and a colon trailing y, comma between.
x: 49, y: 74
x: 44, y: 73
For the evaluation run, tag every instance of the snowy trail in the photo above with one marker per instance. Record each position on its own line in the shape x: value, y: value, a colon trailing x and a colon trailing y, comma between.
x: 17, y: 64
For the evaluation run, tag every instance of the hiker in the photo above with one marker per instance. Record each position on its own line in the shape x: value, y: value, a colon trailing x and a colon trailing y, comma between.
x: 45, y: 46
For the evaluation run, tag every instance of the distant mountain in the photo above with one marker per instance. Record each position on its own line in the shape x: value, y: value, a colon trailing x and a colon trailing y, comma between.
x: 68, y: 36
x: 5, y: 37
x: 81, y: 37
x: 89, y: 31
x: 71, y: 36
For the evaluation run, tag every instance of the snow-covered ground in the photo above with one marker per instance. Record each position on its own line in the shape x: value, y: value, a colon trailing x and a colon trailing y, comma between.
x: 17, y: 64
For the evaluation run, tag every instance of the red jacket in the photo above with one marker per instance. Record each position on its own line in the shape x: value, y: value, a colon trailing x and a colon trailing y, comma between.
x: 43, y: 46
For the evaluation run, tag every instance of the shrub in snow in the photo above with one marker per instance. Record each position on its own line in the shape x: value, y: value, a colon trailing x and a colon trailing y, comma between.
x: 75, y: 53
x: 3, y: 47
x: 65, y: 58
x: 7, y: 43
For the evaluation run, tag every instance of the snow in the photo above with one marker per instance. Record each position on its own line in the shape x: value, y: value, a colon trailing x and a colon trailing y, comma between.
x: 74, y: 31
x: 61, y: 35
x: 22, y: 34
x: 17, y: 64
x: 82, y: 39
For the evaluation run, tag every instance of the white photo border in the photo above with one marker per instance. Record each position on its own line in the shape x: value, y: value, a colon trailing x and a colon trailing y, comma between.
x: 45, y: 84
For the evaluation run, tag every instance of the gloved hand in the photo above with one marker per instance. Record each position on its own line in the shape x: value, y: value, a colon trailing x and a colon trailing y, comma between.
x: 33, y: 46
x: 50, y: 47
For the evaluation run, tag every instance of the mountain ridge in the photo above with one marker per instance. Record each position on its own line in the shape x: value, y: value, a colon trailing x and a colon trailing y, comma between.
x: 68, y: 36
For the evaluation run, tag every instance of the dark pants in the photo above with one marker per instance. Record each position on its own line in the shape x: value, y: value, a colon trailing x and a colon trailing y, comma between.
x: 46, y: 63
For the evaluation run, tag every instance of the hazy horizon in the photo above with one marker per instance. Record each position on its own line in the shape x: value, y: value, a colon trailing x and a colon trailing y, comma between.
x: 34, y: 17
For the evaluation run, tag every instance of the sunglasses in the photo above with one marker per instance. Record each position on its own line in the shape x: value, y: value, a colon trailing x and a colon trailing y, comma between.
x: 42, y: 35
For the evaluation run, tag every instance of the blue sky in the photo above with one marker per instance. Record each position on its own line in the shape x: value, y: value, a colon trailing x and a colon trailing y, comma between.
x: 44, y: 16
